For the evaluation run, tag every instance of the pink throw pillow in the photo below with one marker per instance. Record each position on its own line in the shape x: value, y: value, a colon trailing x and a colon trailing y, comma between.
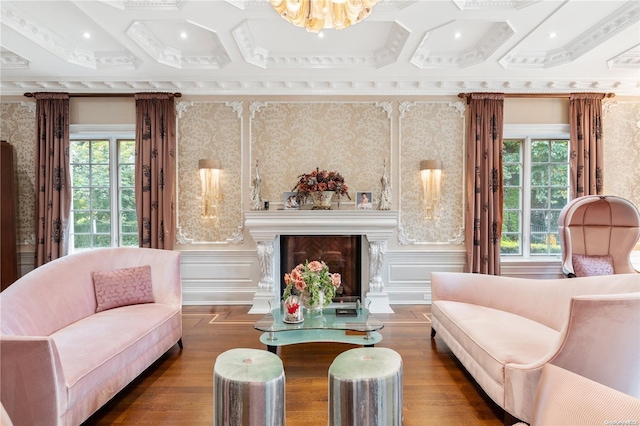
x: 587, y: 266
x: 121, y: 287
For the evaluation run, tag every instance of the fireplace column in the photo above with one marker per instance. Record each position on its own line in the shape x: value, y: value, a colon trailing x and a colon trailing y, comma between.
x: 377, y: 299
x: 266, y: 297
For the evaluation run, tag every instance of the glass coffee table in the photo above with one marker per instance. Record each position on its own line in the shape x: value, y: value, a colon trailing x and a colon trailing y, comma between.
x: 358, y: 329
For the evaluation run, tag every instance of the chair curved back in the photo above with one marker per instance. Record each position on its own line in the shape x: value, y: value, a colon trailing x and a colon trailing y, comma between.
x: 598, y: 225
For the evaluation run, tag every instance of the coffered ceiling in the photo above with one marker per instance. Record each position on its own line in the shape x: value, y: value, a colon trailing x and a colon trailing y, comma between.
x: 237, y: 47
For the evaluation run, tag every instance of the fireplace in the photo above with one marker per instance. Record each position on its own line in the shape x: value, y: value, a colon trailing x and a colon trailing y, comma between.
x: 341, y: 253
x: 373, y: 227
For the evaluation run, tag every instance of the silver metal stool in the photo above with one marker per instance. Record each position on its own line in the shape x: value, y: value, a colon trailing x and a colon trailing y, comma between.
x: 365, y: 388
x: 248, y: 388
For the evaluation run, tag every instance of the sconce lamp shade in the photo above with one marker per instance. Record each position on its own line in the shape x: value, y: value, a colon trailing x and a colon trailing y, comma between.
x: 431, y: 165
x: 209, y: 163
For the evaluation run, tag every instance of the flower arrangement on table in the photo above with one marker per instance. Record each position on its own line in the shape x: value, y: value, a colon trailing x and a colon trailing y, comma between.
x: 321, y: 180
x: 313, y: 282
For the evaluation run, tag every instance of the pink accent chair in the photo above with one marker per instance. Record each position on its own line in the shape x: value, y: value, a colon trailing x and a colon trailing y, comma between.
x: 568, y: 399
x: 596, y: 225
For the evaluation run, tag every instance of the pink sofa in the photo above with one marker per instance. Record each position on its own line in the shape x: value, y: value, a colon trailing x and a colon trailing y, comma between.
x: 60, y: 359
x: 505, y: 330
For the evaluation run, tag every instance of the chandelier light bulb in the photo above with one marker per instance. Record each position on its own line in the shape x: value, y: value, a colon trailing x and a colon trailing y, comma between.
x: 314, y: 15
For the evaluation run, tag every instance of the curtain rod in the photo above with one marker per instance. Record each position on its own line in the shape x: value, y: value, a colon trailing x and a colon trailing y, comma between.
x: 537, y: 95
x: 104, y: 95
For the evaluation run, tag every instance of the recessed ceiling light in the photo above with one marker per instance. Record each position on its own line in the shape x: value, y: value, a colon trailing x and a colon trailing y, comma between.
x: 183, y: 35
x: 552, y: 35
x: 320, y: 34
x: 457, y: 34
x: 86, y: 34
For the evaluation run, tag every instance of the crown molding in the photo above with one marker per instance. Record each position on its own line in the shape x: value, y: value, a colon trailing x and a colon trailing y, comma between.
x: 324, y: 87
x: 10, y: 60
x: 38, y: 33
x: 263, y: 58
x: 627, y: 59
x: 494, y: 4
x: 215, y: 58
x: 497, y: 35
x: 619, y: 20
x: 146, y: 4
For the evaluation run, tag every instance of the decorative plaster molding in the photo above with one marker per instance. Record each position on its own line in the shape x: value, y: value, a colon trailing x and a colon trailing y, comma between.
x: 458, y: 239
x: 621, y: 19
x: 182, y: 107
x: 493, y: 4
x: 35, y: 31
x: 497, y: 35
x: 461, y: 107
x: 255, y: 107
x: 386, y: 107
x: 146, y: 4
x: 608, y: 106
x: 627, y: 59
x: 182, y: 238
x: 403, y: 238
x: 214, y: 57
x: 10, y: 60
x: 630, y: 87
x: 404, y: 107
x: 30, y: 106
x: 237, y: 107
x: 263, y: 58
x: 31, y: 241
x: 237, y: 237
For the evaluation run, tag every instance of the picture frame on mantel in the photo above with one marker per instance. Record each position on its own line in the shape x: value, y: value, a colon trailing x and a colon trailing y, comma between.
x: 364, y: 200
x: 290, y: 201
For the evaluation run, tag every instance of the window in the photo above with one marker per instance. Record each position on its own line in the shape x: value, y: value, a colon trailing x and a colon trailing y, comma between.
x: 103, y: 210
x: 536, y: 188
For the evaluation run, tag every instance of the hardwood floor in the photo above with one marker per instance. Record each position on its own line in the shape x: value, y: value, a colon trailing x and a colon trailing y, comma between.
x: 177, y: 389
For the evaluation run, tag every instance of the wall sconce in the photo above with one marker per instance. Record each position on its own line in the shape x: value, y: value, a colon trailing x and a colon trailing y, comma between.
x: 210, y: 180
x: 431, y: 171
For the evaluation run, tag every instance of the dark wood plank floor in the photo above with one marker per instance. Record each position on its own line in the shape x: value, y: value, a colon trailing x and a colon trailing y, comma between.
x: 177, y: 389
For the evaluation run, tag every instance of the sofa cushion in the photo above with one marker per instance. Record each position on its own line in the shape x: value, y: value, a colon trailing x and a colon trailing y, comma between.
x: 122, y: 287
x: 587, y: 266
x: 495, y: 338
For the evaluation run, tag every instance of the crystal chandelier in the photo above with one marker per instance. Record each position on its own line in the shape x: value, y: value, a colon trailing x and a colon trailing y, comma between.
x: 314, y: 15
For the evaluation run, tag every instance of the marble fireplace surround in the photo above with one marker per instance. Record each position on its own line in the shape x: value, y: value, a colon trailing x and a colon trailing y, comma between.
x: 265, y: 227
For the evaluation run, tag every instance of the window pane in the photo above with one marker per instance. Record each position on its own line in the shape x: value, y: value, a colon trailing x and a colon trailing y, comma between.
x: 102, y: 241
x: 560, y: 151
x: 511, y: 222
x: 81, y: 222
x: 81, y: 241
x: 558, y: 197
x: 103, y: 222
x: 553, y: 219
x: 554, y: 244
x: 127, y: 151
x: 128, y: 223
x: 538, y: 244
x: 126, y: 175
x: 539, y: 198
x: 540, y: 152
x: 81, y: 199
x: 100, y: 152
x: 512, y: 198
x: 79, y: 152
x: 100, y: 199
x: 538, y: 221
x: 559, y: 174
x: 129, y: 241
x: 511, y: 175
x: 511, y: 151
x: 80, y: 175
x: 100, y: 175
x: 128, y: 199
x: 540, y: 175
x: 510, y: 244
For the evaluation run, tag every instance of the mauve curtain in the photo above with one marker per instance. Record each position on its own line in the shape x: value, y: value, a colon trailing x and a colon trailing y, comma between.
x: 587, y: 163
x: 484, y: 183
x: 52, y: 179
x: 155, y: 169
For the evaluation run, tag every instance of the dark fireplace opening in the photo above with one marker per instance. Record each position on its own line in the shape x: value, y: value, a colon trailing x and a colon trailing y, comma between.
x: 341, y: 253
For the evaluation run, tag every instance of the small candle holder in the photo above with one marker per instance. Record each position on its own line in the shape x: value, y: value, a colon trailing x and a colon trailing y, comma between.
x: 292, y: 313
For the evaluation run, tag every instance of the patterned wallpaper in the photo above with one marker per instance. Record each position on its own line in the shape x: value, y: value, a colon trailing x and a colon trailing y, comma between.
x: 621, y: 126
x: 292, y: 138
x: 209, y: 130
x: 432, y: 131
x: 17, y: 126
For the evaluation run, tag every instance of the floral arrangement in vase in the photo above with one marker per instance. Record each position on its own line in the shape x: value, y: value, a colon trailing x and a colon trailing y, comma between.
x: 319, y: 181
x: 313, y: 282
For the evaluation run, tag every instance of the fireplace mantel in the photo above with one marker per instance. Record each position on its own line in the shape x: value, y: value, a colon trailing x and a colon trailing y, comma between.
x: 266, y: 226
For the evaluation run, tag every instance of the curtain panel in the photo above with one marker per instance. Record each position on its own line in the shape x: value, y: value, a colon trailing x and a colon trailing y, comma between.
x: 155, y: 169
x: 484, y: 183
x: 587, y: 149
x: 52, y: 178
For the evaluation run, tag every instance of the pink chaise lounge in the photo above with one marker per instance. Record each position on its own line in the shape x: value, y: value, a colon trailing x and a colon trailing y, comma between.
x: 60, y: 359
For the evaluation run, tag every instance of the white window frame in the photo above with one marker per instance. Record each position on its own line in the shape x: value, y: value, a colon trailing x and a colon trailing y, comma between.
x: 111, y: 133
x: 528, y: 132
